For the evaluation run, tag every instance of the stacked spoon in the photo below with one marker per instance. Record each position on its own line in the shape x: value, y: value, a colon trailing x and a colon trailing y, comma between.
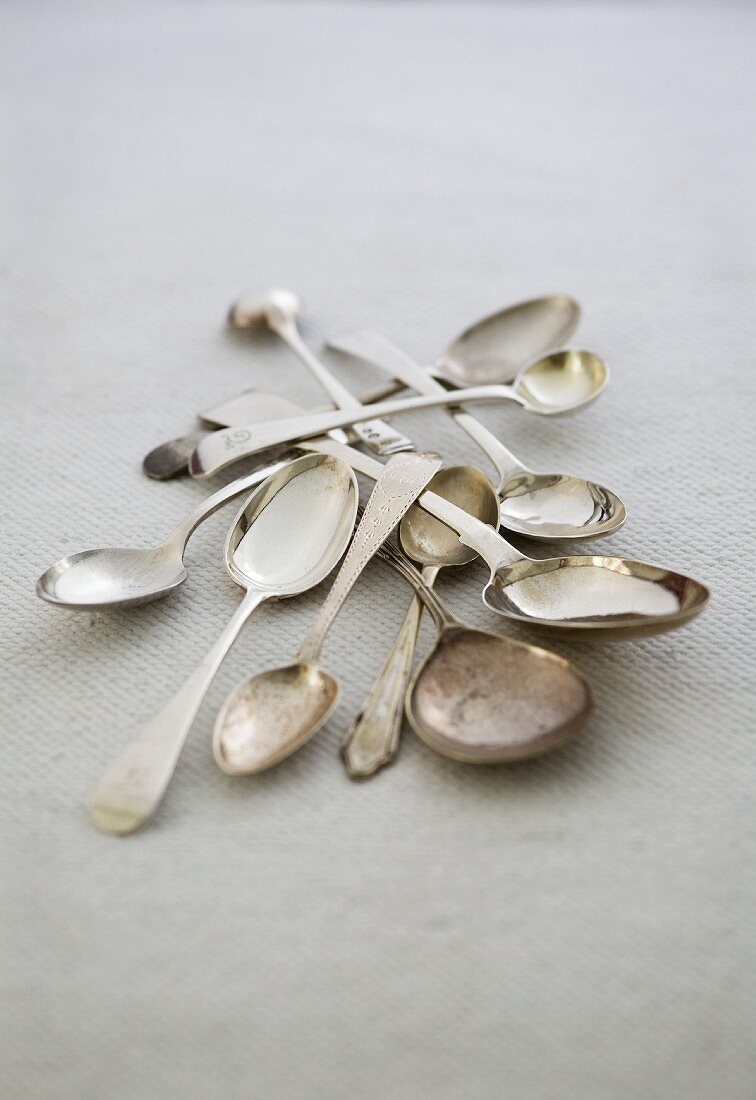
x: 478, y: 696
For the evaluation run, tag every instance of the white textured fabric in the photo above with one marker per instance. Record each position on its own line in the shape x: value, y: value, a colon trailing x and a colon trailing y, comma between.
x: 577, y: 928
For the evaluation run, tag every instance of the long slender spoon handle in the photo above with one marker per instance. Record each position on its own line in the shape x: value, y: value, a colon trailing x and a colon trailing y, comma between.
x: 374, y: 348
x: 400, y: 483
x: 131, y: 789
x: 378, y: 436
x: 373, y: 740
x: 231, y: 444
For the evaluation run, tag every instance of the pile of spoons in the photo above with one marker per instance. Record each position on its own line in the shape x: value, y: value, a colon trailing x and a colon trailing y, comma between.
x: 479, y: 696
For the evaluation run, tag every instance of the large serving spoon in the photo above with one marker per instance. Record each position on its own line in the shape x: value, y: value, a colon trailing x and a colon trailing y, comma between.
x: 269, y: 716
x: 287, y: 538
x: 541, y: 506
x: 554, y: 386
x: 589, y: 595
x: 482, y: 698
x: 111, y: 577
x: 373, y: 739
x: 496, y: 348
x: 279, y: 309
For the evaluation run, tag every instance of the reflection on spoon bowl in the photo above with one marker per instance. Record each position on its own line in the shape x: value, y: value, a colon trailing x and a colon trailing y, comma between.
x: 561, y: 381
x: 559, y: 506
x: 97, y: 578
x: 590, y: 594
x: 483, y: 698
x: 270, y: 715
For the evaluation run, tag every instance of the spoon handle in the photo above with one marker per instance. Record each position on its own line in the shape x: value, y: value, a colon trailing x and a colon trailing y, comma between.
x: 374, y: 348
x: 402, y: 480
x: 374, y: 737
x: 377, y: 436
x: 220, y: 449
x: 131, y: 789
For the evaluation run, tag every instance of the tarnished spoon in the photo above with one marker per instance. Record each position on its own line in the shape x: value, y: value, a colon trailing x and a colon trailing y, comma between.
x: 541, y: 506
x: 373, y: 739
x: 286, y: 539
x: 279, y: 309
x: 482, y: 698
x: 269, y: 716
x: 496, y: 348
x: 554, y: 386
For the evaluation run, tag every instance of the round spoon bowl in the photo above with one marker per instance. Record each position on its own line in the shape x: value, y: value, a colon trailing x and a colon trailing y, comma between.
x: 282, y: 707
x: 558, y: 506
x: 482, y: 698
x: 494, y: 348
x: 112, y: 578
x: 562, y: 381
x: 429, y: 541
x: 595, y: 597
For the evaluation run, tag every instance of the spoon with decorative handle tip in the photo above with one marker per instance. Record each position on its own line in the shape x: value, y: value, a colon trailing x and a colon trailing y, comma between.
x: 271, y: 715
x: 541, y: 506
x: 279, y: 309
x: 310, y: 508
x: 580, y: 377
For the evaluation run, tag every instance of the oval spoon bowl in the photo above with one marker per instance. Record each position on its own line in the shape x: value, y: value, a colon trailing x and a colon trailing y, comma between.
x: 433, y: 542
x: 482, y: 698
x: 126, y: 578
x: 494, y: 348
x: 558, y: 506
x: 562, y: 381
x: 271, y: 715
x: 636, y: 599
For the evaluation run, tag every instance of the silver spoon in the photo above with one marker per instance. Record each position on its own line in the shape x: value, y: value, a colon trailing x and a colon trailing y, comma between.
x: 558, y: 384
x: 286, y: 539
x: 374, y: 736
x: 541, y: 506
x: 111, y: 578
x: 270, y: 715
x: 482, y: 698
x: 279, y: 309
x: 496, y: 348
x: 588, y: 596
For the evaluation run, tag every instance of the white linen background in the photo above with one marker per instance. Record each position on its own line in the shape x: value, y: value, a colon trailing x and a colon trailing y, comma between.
x: 577, y: 927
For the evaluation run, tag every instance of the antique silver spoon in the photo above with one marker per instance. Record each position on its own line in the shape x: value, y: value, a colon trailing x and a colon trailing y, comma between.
x: 270, y: 715
x: 287, y: 538
x: 541, y: 506
x: 556, y: 385
x: 483, y: 698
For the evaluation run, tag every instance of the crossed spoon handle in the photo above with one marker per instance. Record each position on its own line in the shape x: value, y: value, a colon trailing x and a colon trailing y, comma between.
x: 220, y: 449
x: 374, y: 348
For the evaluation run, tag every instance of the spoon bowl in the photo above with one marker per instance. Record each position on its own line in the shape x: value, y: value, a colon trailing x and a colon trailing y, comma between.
x: 559, y: 506
x: 483, y: 698
x: 561, y: 382
x: 433, y: 542
x: 591, y: 595
x: 112, y: 578
x: 267, y: 714
x: 494, y: 348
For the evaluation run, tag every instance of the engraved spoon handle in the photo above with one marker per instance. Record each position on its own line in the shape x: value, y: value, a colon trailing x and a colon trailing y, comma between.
x: 131, y: 789
x: 374, y: 737
x: 399, y: 485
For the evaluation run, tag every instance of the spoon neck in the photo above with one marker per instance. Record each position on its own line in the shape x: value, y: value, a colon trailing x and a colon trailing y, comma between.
x: 181, y: 534
x: 422, y: 584
x: 502, y: 459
